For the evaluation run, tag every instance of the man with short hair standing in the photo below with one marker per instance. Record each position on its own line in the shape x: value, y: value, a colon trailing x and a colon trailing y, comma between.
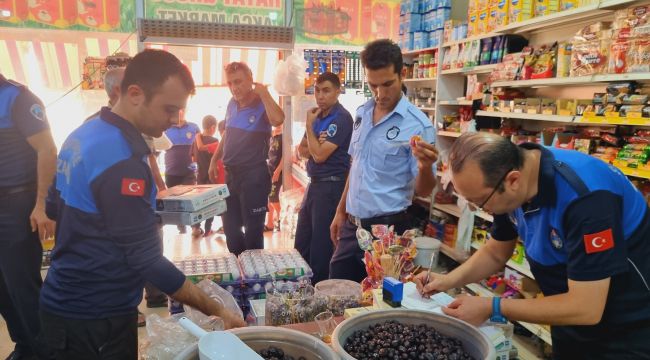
x: 389, y: 165
x: 245, y: 146
x: 327, y: 166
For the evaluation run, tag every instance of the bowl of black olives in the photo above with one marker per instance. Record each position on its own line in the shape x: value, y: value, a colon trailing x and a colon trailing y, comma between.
x: 284, y: 344
x: 409, y: 334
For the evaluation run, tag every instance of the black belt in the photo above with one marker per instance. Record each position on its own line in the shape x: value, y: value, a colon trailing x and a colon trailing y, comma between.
x: 10, y: 190
x: 391, y: 219
x: 315, y: 179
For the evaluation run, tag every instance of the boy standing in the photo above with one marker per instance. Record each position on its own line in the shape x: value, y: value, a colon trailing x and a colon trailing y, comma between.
x: 202, y: 150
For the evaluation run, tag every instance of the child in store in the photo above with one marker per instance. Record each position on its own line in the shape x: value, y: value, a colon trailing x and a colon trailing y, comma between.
x: 202, y: 150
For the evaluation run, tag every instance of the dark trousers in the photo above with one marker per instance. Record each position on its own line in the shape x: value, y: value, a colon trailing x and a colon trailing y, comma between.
x: 630, y: 342
x: 247, y: 206
x: 20, y: 270
x: 347, y: 261
x: 313, y: 230
x: 114, y: 338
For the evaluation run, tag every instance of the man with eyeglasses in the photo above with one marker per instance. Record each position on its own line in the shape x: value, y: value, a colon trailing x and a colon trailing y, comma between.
x: 245, y: 146
x: 586, y: 231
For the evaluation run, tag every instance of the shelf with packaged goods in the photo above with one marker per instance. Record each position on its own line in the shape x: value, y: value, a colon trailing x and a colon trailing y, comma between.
x: 573, y: 81
x: 418, y: 51
x: 452, y: 134
x: 479, y: 69
x: 579, y: 14
x: 521, y: 268
x: 415, y: 80
x: 453, y: 209
x: 455, y: 102
x: 541, y: 332
x: 471, y: 38
x: 541, y: 117
x: 639, y: 173
x: 300, y: 175
x: 612, y: 120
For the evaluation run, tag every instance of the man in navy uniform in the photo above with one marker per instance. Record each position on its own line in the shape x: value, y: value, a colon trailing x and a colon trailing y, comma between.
x: 250, y: 114
x: 108, y: 242
x: 327, y: 166
x: 586, y: 231
x: 389, y: 165
x: 27, y: 158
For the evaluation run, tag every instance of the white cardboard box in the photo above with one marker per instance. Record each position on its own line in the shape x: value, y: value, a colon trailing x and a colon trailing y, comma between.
x: 191, y: 218
x: 190, y: 197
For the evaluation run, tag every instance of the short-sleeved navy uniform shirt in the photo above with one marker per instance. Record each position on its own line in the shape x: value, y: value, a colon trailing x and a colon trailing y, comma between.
x: 107, y: 238
x: 338, y: 126
x: 21, y: 116
x: 248, y: 134
x: 588, y: 226
x: 178, y: 158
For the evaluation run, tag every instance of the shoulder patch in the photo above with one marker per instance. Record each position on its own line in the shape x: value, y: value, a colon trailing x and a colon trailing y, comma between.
x: 331, y: 130
x: 37, y: 111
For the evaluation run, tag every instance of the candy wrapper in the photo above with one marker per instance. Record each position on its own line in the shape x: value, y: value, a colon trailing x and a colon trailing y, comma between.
x: 387, y: 255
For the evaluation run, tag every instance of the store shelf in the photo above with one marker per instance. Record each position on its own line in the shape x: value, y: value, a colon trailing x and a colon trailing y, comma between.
x: 453, y: 209
x: 521, y: 268
x: 419, y: 80
x: 453, y: 253
x: 481, y: 69
x: 417, y: 51
x: 452, y: 134
x: 644, y: 174
x: 540, y: 117
x: 612, y: 120
x: 300, y: 175
x: 425, y: 108
x: 538, y: 330
x: 527, y: 349
x: 583, y: 13
x: 471, y: 38
x: 456, y: 102
x: 573, y: 81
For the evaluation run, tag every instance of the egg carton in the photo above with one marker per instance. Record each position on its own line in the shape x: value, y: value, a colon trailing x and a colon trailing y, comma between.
x: 273, y: 263
x: 220, y: 268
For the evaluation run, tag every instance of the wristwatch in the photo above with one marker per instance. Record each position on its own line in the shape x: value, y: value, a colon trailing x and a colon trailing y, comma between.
x: 497, y: 317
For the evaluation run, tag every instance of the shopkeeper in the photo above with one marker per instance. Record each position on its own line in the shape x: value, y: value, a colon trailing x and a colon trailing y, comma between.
x: 249, y: 116
x: 108, y: 242
x: 328, y: 163
x: 586, y: 231
x: 386, y: 170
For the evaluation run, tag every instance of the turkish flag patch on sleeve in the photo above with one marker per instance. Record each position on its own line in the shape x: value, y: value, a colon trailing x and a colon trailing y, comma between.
x: 599, y: 241
x: 132, y: 187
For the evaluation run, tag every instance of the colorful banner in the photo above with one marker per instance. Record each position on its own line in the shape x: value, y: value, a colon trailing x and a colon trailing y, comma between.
x: 90, y: 15
x: 345, y: 22
x: 249, y: 12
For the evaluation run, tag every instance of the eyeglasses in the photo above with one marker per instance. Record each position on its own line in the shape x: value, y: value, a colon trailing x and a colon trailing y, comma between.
x: 474, y: 207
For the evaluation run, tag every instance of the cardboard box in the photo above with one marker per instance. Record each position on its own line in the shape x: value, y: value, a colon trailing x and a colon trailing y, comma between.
x: 191, y: 218
x: 190, y: 197
x: 482, y: 22
x: 502, y: 13
x: 566, y: 107
x: 546, y: 7
x: 548, y: 106
x: 533, y: 106
x: 520, y: 10
x: 472, y: 24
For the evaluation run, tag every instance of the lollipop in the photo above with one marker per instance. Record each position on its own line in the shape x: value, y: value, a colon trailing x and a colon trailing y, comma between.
x: 364, y: 238
x: 415, y: 139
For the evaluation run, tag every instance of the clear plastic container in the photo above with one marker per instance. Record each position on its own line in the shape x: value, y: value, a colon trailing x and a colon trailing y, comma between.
x: 340, y: 294
x: 292, y: 303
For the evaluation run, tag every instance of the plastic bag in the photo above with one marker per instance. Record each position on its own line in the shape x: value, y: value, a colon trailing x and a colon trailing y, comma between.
x: 165, y: 338
x: 289, y: 76
x: 218, y: 294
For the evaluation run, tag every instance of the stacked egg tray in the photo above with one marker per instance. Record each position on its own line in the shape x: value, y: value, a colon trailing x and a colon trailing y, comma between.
x: 261, y: 267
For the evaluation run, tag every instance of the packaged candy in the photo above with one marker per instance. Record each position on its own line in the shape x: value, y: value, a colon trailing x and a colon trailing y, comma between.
x: 610, y: 139
x: 564, y: 59
x: 545, y: 62
x: 589, y: 58
x: 638, y: 56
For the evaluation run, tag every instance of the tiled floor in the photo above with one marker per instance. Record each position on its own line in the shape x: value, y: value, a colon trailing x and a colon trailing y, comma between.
x: 175, y: 245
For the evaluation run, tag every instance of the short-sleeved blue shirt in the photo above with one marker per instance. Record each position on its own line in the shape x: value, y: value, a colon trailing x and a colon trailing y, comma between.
x: 178, y: 158
x: 383, y: 172
x: 338, y: 126
x: 585, y: 232
x: 107, y: 239
x: 248, y: 134
x: 22, y: 115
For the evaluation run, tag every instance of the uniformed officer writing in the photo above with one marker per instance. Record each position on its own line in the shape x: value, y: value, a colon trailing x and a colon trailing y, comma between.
x: 27, y: 158
x: 387, y: 170
x: 108, y: 242
x: 245, y: 147
x: 327, y: 166
x: 585, y: 229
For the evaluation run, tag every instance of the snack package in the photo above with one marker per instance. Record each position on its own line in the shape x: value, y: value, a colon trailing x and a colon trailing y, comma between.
x: 638, y: 56
x: 589, y: 58
x: 569, y: 4
x: 546, y: 7
x: 502, y: 13
x: 618, y: 57
x: 520, y: 10
x: 543, y: 67
x: 563, y: 67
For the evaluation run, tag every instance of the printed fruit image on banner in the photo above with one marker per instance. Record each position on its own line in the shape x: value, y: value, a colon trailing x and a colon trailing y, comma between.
x: 345, y: 22
x: 15, y: 9
x: 93, y: 15
x: 103, y: 15
x: 58, y: 13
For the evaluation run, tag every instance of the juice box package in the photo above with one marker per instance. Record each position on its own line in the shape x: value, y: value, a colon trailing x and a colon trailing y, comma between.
x: 482, y: 23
